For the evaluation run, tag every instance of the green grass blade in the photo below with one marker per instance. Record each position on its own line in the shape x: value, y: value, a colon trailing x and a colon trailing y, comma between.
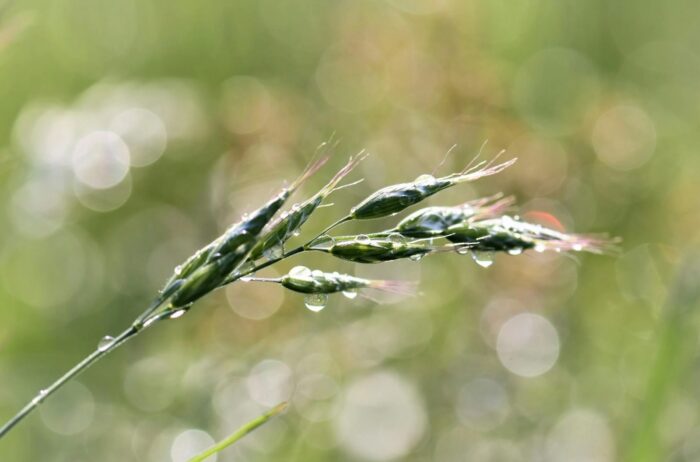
x: 240, y: 433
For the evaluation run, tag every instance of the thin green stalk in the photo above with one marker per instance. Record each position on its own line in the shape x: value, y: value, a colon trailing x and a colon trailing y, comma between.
x: 77, y: 369
x: 671, y: 365
x: 240, y: 433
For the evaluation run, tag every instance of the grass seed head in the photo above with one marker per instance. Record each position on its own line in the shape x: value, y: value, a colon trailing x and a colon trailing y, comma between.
x: 209, y: 267
x: 434, y: 221
x: 376, y: 249
x: 396, y: 198
x: 302, y: 279
x: 511, y: 235
x: 289, y: 222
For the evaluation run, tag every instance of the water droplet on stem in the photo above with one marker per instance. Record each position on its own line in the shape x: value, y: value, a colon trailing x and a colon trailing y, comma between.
x: 105, y: 342
x: 316, y: 302
x: 463, y: 250
x: 483, y: 259
x: 351, y: 294
x: 176, y: 314
x: 300, y: 272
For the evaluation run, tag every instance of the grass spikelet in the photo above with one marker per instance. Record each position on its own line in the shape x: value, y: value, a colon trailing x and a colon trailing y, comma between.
x: 396, y: 198
x: 209, y: 267
x: 286, y: 225
x: 375, y: 249
x: 306, y: 281
x: 507, y: 234
x: 434, y: 221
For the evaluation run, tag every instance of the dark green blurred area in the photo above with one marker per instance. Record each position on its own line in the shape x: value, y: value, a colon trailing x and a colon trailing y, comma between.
x: 133, y: 132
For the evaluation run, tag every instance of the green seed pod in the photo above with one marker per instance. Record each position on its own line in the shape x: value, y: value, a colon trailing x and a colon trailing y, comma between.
x: 363, y: 249
x: 210, y: 266
x: 202, y: 281
x: 434, y: 221
x: 302, y: 279
x: 283, y: 228
x: 396, y: 198
x: 488, y: 236
x: 513, y: 236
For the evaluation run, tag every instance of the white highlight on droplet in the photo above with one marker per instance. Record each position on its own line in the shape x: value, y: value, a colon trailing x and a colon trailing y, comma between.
x: 528, y: 345
x: 101, y: 160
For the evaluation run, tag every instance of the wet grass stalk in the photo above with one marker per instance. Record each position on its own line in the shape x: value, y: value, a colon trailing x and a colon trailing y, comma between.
x: 258, y: 240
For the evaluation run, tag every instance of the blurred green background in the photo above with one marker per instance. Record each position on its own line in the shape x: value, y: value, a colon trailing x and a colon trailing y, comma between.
x: 134, y: 131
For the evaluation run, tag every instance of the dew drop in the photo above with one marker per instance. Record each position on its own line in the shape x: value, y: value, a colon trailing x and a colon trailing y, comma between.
x: 463, y: 250
x: 317, y: 274
x: 150, y: 321
x: 515, y: 251
x: 178, y: 269
x: 351, y: 294
x: 176, y: 314
x: 396, y: 238
x: 300, y: 272
x: 316, y: 302
x: 539, y: 248
x: 246, y: 279
x: 296, y: 233
x: 577, y: 247
x: 483, y: 259
x: 417, y: 256
x: 362, y: 238
x: 274, y: 252
x: 425, y: 179
x: 105, y: 342
x: 40, y: 396
x: 246, y: 267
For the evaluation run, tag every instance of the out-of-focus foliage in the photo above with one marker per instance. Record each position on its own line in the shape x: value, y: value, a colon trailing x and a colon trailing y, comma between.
x: 132, y: 132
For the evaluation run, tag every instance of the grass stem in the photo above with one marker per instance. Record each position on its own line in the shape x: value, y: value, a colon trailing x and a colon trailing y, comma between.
x: 77, y: 369
x: 240, y: 433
